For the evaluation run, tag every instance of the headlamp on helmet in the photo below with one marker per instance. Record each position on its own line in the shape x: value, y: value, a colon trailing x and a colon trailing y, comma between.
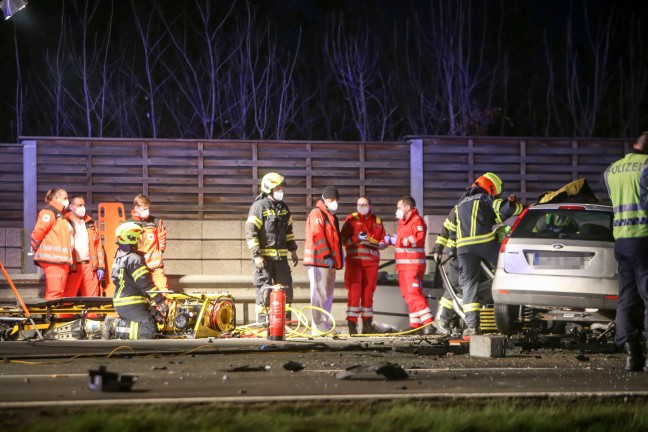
x: 271, y: 181
x: 490, y: 182
x: 128, y: 233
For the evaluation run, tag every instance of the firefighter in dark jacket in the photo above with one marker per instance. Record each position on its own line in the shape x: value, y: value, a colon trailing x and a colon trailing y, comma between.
x: 138, y: 311
x: 446, y: 242
x: 478, y: 211
x: 269, y: 235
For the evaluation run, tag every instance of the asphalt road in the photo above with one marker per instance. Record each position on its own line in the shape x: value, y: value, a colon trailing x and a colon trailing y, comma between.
x: 50, y: 373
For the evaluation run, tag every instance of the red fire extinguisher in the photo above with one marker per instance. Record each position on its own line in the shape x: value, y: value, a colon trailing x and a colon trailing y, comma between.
x: 277, y: 325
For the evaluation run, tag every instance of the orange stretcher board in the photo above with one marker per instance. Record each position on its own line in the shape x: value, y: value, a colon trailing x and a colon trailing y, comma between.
x: 110, y: 215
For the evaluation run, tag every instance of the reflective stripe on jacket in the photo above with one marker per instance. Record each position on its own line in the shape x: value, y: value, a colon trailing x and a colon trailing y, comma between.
x: 410, y: 243
x: 152, y: 241
x: 132, y: 280
x: 97, y: 254
x: 476, y: 214
x: 322, y: 238
x: 269, y: 229
x: 627, y: 183
x: 360, y: 252
x: 52, y: 239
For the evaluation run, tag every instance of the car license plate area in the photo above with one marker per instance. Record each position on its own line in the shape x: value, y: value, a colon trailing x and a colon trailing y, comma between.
x: 553, y: 260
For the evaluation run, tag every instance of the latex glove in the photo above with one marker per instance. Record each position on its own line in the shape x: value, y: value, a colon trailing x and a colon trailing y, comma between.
x: 295, y: 258
x: 405, y: 242
x: 259, y: 262
x: 436, y: 257
x: 393, y: 239
x: 382, y: 245
x: 100, y: 274
x: 362, y: 236
x: 31, y: 252
x: 328, y: 262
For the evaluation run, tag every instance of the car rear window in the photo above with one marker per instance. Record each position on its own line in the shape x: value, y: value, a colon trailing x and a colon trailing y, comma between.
x: 560, y: 224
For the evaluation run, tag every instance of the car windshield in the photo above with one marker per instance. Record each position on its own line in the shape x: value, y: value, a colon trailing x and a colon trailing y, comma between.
x: 560, y: 224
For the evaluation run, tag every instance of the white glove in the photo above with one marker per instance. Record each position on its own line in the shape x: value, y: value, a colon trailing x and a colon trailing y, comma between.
x: 362, y: 236
x: 259, y: 262
x: 405, y: 242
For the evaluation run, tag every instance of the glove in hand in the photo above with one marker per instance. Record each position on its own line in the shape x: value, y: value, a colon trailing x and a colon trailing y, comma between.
x: 328, y: 262
x: 295, y: 258
x: 362, y: 236
x: 436, y: 257
x: 259, y: 262
x: 100, y: 274
x: 382, y: 245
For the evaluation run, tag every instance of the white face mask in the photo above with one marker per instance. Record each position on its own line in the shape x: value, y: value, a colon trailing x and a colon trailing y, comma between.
x: 400, y: 214
x: 364, y: 211
x: 278, y: 194
x: 66, y: 203
x: 144, y: 214
x: 80, y: 211
x: 332, y: 206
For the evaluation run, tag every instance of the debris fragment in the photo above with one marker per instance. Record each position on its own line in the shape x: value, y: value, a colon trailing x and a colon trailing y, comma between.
x: 390, y: 371
x: 248, y: 368
x: 293, y: 366
x: 103, y: 380
x: 582, y: 357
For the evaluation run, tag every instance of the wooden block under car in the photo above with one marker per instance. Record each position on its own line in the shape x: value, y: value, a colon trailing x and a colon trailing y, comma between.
x: 487, y: 346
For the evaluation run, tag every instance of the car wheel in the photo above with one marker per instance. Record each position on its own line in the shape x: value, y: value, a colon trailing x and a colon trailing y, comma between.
x: 508, y: 318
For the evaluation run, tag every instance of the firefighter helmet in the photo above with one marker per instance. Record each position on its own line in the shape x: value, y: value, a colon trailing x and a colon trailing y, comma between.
x: 490, y: 182
x: 128, y: 233
x: 271, y: 181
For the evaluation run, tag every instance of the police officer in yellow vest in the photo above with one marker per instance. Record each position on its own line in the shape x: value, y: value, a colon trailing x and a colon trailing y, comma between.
x: 627, y: 184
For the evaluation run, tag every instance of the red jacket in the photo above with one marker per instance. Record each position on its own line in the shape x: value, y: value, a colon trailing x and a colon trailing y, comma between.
x: 97, y: 254
x: 152, y: 242
x: 322, y: 238
x: 365, y: 253
x: 410, y: 244
x: 52, y: 238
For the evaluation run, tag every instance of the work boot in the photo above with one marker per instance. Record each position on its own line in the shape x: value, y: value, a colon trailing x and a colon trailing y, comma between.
x: 427, y: 329
x: 368, y: 327
x: 470, y: 331
x: 353, y: 328
x: 442, y: 327
x: 635, y: 360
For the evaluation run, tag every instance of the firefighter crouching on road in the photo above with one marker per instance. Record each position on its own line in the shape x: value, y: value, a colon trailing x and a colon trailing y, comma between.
x: 152, y: 242
x: 138, y: 309
x: 480, y: 208
x: 269, y: 235
x: 409, y: 243
x: 362, y: 236
x: 323, y: 256
x: 627, y: 183
x: 89, y: 262
x: 52, y: 243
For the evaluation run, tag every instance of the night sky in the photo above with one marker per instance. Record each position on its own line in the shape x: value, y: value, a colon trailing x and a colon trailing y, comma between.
x: 523, y: 111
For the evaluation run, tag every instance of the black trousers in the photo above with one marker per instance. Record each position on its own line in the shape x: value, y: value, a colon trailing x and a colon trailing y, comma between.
x: 470, y: 258
x: 275, y: 272
x: 631, y: 318
x: 135, y: 322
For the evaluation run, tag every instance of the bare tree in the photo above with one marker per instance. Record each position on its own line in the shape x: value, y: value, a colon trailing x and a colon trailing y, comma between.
x: 354, y: 58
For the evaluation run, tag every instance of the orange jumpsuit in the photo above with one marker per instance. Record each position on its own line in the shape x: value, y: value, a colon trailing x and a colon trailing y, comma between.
x: 410, y: 263
x: 83, y: 277
x: 362, y: 260
x: 52, y: 243
x: 152, y: 244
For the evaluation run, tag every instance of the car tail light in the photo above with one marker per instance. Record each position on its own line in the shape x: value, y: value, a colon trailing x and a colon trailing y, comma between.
x: 503, y: 245
x: 571, y: 207
x: 515, y: 224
